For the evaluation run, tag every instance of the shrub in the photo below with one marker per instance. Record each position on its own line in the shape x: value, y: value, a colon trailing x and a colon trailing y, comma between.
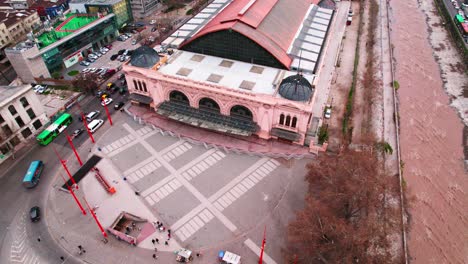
x: 73, y: 73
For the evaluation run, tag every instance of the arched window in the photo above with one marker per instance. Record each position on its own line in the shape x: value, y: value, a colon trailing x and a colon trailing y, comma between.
x: 139, y: 86
x: 241, y: 111
x: 176, y: 96
x: 144, y: 87
x: 24, y: 102
x: 135, y: 85
x: 288, y: 121
x: 12, y: 110
x: 281, y: 119
x: 294, y: 122
x: 208, y: 104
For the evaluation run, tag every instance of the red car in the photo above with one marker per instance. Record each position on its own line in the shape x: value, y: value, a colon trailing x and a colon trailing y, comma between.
x: 109, y: 46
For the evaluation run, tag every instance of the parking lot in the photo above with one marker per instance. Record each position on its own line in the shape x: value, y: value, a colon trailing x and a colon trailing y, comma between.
x: 105, y: 60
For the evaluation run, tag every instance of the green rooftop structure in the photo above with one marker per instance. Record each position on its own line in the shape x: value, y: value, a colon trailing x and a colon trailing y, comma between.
x: 61, y: 29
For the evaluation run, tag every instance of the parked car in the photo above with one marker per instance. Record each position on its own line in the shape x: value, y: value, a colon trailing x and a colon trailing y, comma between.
x: 93, y: 70
x: 128, y: 35
x: 122, y: 90
x: 77, y: 132
x: 92, y: 56
x: 114, y: 89
x: 152, y: 22
x: 120, y: 38
x: 84, y: 63
x: 153, y: 29
x: 121, y: 76
x: 106, y: 101
x: 104, y: 49
x: 90, y: 60
x: 91, y: 116
x: 110, y: 85
x: 122, y: 58
x: 119, y: 105
x: 328, y: 111
x: 85, y: 70
x: 40, y: 89
x: 97, y: 53
x: 114, y: 57
x: 35, y: 213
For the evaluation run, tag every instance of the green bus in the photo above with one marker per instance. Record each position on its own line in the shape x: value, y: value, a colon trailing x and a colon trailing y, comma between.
x: 51, y: 132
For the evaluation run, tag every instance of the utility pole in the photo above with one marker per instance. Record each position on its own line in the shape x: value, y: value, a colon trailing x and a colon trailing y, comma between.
x: 73, y: 147
x: 95, y: 218
x: 260, y: 260
x: 65, y: 167
x: 73, y: 194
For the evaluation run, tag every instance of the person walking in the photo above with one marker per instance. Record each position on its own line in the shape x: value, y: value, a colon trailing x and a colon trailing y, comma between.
x: 157, y: 240
x: 166, y: 243
x: 153, y: 241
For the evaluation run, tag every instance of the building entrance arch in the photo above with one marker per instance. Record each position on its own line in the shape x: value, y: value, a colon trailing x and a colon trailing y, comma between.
x: 208, y: 104
x: 241, y: 111
x: 179, y: 97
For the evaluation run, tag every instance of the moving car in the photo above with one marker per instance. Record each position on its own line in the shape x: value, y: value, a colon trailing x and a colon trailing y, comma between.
x: 106, y: 101
x: 152, y: 22
x: 95, y: 124
x: 91, y: 116
x: 119, y: 105
x: 77, y: 132
x: 35, y: 213
x: 134, y: 42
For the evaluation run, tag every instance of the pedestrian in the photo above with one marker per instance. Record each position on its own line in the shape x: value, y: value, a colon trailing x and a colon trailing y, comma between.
x: 157, y: 240
x: 38, y: 239
x: 156, y: 249
x: 157, y: 222
x: 168, y: 236
x: 166, y: 243
x: 154, y: 256
x: 153, y: 241
x: 169, y: 231
x: 62, y: 258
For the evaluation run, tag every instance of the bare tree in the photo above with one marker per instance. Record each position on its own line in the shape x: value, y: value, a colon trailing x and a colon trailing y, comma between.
x: 345, y: 208
x: 86, y: 82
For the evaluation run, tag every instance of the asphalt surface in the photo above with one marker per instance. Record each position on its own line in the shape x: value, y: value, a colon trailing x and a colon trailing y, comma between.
x: 18, y: 235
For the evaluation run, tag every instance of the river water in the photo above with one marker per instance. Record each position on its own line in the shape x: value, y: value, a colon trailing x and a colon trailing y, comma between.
x: 431, y: 144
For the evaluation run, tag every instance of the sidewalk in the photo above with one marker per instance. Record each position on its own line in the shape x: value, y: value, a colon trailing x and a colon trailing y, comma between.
x: 247, y: 145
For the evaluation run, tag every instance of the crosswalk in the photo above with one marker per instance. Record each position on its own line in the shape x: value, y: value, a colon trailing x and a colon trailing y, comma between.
x: 194, y: 224
x: 20, y: 251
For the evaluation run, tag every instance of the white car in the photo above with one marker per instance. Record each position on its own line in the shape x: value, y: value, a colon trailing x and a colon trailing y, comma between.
x: 85, y: 70
x: 91, y: 116
x: 39, y: 88
x: 95, y: 124
x: 328, y: 112
x: 106, y: 101
x: 152, y: 22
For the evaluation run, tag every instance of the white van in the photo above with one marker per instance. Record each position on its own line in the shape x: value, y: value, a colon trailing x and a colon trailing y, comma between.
x: 95, y: 124
x: 92, y: 115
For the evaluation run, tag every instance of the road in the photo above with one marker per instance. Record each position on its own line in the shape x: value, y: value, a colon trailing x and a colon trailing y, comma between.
x: 19, y: 237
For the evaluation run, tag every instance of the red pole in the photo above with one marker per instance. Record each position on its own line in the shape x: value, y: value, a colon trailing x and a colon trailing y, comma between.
x: 260, y: 260
x: 108, y: 115
x: 73, y: 147
x: 86, y: 125
x: 95, y: 218
x: 74, y: 196
x: 65, y: 167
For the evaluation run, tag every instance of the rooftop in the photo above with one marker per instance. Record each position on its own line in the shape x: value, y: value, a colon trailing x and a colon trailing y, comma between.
x: 9, y: 93
x: 228, y: 73
x: 11, y: 16
x: 47, y: 3
x: 286, y: 29
x: 62, y: 29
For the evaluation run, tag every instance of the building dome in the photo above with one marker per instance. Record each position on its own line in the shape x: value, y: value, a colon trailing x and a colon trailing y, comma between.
x: 144, y: 57
x: 296, y: 88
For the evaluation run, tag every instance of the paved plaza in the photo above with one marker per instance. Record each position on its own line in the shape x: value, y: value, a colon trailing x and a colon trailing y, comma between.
x: 210, y: 199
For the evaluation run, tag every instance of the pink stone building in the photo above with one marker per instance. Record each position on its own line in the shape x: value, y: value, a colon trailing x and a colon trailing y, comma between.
x: 244, y: 67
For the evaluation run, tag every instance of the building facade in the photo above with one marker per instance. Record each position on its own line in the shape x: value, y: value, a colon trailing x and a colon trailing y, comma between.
x: 16, y: 24
x: 91, y: 25
x: 141, y: 8
x: 22, y: 116
x: 241, y: 67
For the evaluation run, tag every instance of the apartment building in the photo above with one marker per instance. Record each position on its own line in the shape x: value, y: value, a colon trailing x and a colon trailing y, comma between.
x: 16, y: 24
x: 21, y: 117
x: 141, y: 8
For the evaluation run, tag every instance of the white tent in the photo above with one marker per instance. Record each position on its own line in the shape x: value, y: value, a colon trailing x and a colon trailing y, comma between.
x: 231, y: 258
